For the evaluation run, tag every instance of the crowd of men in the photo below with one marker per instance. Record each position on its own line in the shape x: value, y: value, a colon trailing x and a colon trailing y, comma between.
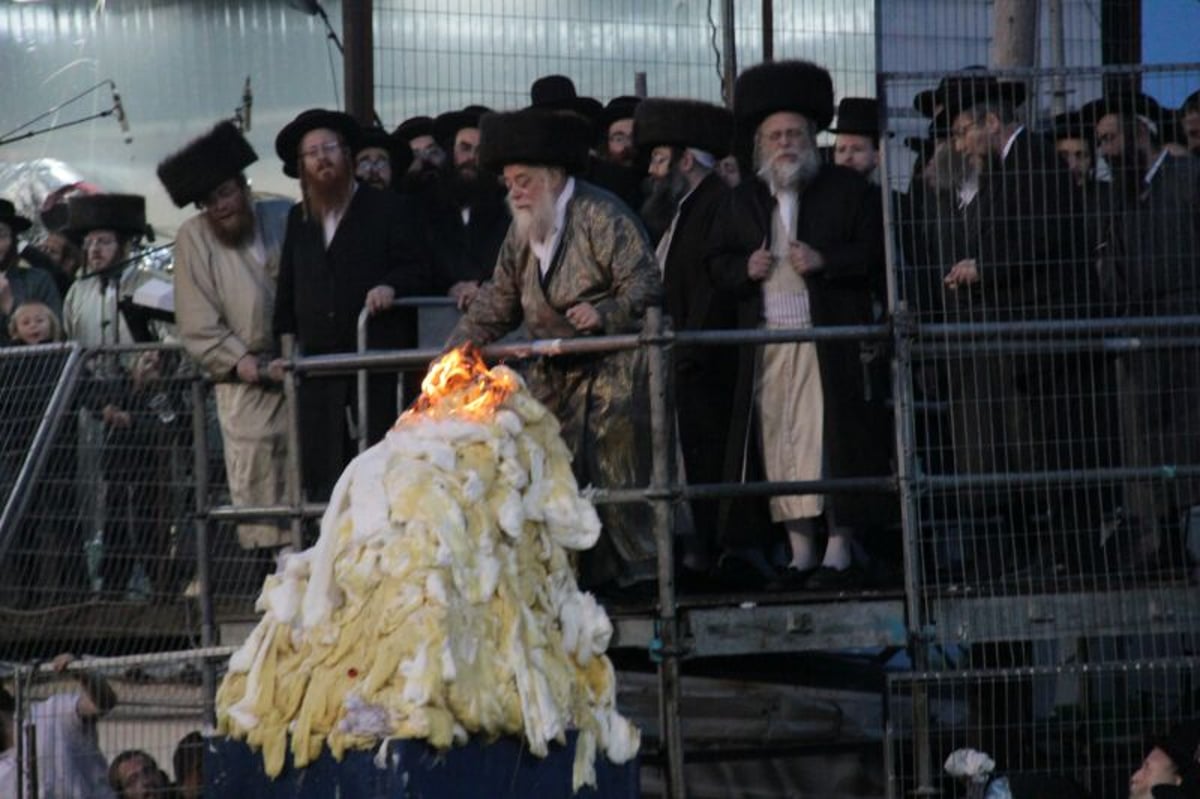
x: 570, y: 218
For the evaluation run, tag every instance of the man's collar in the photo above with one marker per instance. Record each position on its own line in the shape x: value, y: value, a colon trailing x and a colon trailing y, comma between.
x: 1158, y: 162
x: 1012, y: 138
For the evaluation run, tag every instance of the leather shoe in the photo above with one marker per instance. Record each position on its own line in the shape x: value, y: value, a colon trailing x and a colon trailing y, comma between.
x: 792, y: 579
x: 827, y: 578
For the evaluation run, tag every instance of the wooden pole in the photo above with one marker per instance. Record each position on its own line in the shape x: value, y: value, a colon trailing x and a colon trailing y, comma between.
x: 768, y: 30
x: 1014, y: 40
x: 358, y: 60
x: 729, y: 54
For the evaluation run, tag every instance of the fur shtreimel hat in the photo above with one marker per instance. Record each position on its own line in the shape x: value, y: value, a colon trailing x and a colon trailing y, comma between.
x: 205, y: 163
x: 798, y: 86
x: 124, y: 213
x: 534, y: 136
x: 683, y: 123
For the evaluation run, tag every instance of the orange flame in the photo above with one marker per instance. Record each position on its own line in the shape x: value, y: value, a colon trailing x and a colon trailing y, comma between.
x: 460, y: 384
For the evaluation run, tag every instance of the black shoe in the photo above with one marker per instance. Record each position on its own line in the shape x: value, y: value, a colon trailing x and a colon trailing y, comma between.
x: 827, y: 578
x: 792, y: 579
x: 738, y: 574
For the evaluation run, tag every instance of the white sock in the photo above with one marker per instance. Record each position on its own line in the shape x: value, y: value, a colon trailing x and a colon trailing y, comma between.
x: 837, y: 551
x: 800, y: 536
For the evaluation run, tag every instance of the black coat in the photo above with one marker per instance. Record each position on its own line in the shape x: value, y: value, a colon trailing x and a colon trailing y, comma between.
x: 1029, y: 249
x: 704, y: 376
x: 465, y: 251
x: 840, y: 216
x: 320, y: 295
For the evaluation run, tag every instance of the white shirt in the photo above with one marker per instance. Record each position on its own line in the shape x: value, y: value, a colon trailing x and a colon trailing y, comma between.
x: 544, y: 250
x: 1008, y: 144
x: 787, y: 202
x: 334, y: 218
x: 8, y: 773
x: 70, y: 763
x: 1158, y: 162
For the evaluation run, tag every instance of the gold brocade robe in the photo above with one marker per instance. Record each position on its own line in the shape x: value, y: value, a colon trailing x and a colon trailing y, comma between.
x: 601, y: 401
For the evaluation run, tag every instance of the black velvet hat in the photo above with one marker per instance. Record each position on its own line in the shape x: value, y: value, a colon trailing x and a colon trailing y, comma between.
x: 205, y: 163
x: 397, y: 148
x: 683, y: 123
x: 1182, y: 745
x: 557, y: 93
x: 413, y: 127
x: 858, y: 116
x: 798, y: 86
x: 534, y: 136
x: 287, y: 143
x: 1072, y: 125
x: 447, y: 125
x: 962, y: 91
x: 1132, y: 103
x: 124, y: 213
x: 10, y: 217
x: 622, y: 107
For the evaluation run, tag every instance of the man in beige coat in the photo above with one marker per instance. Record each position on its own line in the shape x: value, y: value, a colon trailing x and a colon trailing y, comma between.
x: 226, y: 266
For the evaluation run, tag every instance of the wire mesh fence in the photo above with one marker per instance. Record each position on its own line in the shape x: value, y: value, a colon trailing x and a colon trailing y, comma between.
x: 1053, y: 359
x: 129, y: 723
x: 1069, y: 731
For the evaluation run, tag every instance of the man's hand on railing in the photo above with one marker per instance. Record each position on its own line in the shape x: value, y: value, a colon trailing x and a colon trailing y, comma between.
x: 463, y: 293
x: 379, y: 299
x: 277, y: 369
x: 584, y: 317
x: 247, y: 368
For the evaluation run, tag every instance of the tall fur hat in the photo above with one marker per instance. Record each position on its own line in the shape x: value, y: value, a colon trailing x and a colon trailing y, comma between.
x: 205, y: 163
x: 124, y: 213
x: 683, y: 123
x: 798, y: 86
x: 534, y: 136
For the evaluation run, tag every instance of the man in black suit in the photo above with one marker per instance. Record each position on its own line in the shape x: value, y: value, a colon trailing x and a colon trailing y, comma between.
x: 347, y: 245
x: 1026, y: 259
x: 685, y: 139
x: 797, y: 246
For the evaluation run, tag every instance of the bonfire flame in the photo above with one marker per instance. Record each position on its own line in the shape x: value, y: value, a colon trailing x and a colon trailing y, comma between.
x: 460, y: 384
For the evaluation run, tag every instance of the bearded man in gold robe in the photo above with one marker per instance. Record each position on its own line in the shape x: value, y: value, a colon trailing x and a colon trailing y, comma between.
x: 576, y: 262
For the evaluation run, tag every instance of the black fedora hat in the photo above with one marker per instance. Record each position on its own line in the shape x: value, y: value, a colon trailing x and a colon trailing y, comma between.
x: 858, y: 116
x: 414, y: 127
x: 9, y: 216
x: 1072, y: 125
x: 398, y: 149
x: 287, y: 143
x: 622, y: 107
x: 963, y: 91
x: 557, y: 93
x: 446, y: 126
x: 1132, y: 104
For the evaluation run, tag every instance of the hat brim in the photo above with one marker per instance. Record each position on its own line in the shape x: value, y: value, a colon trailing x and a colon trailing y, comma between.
x: 17, y: 224
x: 287, y: 143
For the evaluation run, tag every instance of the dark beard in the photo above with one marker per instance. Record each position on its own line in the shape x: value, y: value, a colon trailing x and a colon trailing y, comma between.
x: 1128, y: 171
x: 658, y: 209
x: 467, y: 188
x: 237, y: 231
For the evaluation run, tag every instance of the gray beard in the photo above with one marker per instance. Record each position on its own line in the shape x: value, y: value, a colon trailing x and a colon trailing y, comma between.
x: 787, y: 176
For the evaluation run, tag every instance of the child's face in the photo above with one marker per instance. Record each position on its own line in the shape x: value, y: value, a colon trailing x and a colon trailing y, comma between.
x: 33, y: 326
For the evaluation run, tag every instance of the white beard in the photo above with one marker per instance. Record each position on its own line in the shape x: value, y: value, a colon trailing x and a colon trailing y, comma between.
x: 789, y: 175
x: 537, y: 223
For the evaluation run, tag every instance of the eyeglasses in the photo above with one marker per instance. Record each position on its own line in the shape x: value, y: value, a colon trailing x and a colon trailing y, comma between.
x: 327, y: 149
x: 101, y: 240
x: 373, y: 162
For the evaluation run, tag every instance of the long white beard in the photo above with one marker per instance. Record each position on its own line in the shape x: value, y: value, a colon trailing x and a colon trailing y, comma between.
x: 787, y: 175
x: 537, y: 223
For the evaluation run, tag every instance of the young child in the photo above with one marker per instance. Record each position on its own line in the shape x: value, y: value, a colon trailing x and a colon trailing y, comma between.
x: 34, y: 323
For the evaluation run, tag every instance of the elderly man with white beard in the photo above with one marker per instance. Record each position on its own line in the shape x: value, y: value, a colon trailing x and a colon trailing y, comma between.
x: 575, y: 262
x: 798, y: 247
x: 226, y: 267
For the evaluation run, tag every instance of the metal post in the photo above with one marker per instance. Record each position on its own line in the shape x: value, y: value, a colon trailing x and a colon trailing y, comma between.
x: 906, y: 460
x: 768, y: 30
x: 19, y: 731
x: 360, y: 376
x: 639, y: 84
x: 208, y: 627
x: 661, y: 426
x: 729, y: 48
x: 358, y: 60
x: 1058, y: 58
x: 295, y: 483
